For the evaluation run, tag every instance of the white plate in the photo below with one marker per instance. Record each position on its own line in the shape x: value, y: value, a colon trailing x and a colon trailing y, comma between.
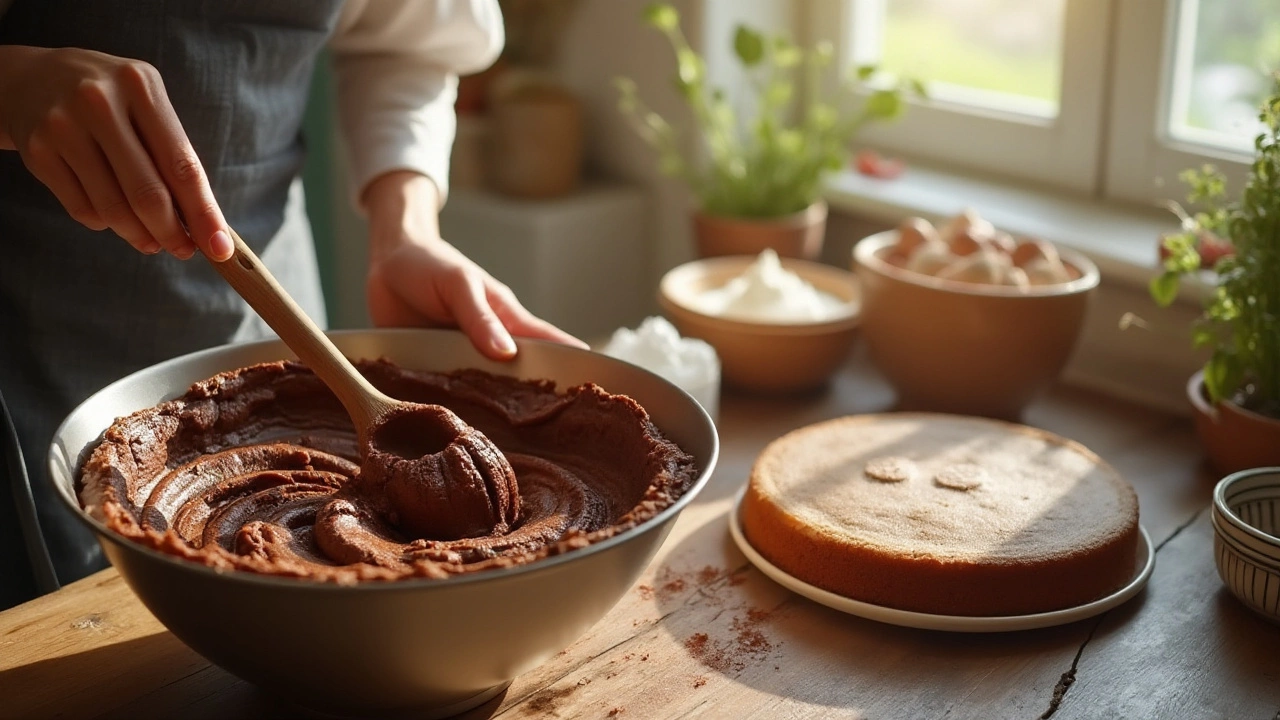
x: 1146, y: 561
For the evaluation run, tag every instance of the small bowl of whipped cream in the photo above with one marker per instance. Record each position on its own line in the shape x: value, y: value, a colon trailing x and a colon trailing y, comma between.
x: 778, y: 324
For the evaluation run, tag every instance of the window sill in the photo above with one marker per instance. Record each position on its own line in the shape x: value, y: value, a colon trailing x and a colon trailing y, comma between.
x: 1148, y: 364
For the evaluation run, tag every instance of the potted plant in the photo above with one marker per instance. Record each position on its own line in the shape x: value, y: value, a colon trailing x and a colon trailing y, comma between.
x: 759, y: 184
x: 1236, y: 396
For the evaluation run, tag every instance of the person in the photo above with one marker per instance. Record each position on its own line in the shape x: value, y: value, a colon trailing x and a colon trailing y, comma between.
x: 166, y: 123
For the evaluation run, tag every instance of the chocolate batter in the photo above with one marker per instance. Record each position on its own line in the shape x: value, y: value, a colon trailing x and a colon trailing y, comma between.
x: 259, y: 470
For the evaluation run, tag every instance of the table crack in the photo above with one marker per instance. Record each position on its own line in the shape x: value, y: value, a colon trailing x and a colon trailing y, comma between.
x: 1068, y: 678
x: 1178, y: 530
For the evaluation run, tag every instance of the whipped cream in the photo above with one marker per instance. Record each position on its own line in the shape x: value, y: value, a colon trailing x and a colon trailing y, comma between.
x: 767, y: 292
x: 689, y: 363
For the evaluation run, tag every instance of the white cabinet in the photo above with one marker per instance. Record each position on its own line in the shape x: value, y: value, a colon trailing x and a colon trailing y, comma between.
x: 581, y: 262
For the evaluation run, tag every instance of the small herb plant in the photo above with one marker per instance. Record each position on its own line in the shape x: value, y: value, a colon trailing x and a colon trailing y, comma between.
x: 1241, y: 320
x: 772, y: 163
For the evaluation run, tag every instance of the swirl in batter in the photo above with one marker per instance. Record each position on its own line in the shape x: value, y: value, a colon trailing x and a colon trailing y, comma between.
x: 259, y: 470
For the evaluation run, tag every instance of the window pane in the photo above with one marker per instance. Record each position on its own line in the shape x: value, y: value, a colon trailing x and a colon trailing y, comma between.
x: 1003, y: 54
x: 1225, y: 51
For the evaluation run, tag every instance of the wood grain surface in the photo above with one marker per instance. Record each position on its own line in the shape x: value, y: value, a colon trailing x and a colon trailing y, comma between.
x: 703, y: 634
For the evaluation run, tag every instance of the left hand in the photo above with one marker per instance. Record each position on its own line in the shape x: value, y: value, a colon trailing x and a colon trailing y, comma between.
x: 417, y: 279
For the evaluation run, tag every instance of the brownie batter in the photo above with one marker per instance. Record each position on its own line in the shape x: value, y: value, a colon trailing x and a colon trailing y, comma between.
x: 259, y: 470
x: 438, y: 476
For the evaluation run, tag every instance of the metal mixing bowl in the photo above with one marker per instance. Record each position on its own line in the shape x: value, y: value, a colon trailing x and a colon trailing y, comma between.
x: 433, y: 647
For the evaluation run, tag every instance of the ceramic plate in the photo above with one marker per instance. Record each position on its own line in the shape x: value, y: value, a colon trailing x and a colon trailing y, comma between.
x: 1146, y: 561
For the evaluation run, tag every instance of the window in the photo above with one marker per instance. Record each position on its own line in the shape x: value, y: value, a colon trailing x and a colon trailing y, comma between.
x: 1014, y: 65
x: 1106, y: 98
x: 1222, y: 50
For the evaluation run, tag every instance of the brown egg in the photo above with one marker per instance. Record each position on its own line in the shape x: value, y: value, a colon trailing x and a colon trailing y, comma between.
x: 1003, y: 242
x: 966, y: 242
x: 966, y: 221
x: 930, y: 257
x: 1017, y: 277
x: 1047, y: 271
x: 1029, y: 250
x: 912, y: 233
x: 986, y: 267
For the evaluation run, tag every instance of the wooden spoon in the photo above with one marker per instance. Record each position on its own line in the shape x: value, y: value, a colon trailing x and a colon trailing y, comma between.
x: 446, y: 478
x: 366, y: 405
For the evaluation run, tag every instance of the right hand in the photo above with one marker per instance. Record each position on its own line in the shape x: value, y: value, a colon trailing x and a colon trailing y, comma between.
x: 99, y: 131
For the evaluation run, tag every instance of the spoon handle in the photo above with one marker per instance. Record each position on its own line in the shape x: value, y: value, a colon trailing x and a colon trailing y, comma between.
x: 246, y: 273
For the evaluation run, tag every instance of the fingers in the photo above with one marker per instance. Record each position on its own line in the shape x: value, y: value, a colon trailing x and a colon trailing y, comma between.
x: 146, y: 196
x: 466, y: 296
x: 167, y: 144
x: 422, y: 286
x: 49, y: 168
x: 100, y: 132
x: 85, y: 158
x: 521, y: 322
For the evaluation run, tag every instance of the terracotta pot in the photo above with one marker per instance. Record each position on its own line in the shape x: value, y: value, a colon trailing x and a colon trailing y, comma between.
x: 798, y: 235
x: 1234, y: 439
x: 535, y: 142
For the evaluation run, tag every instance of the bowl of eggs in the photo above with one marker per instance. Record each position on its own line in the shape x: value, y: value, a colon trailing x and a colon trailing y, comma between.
x: 779, y: 325
x: 965, y: 318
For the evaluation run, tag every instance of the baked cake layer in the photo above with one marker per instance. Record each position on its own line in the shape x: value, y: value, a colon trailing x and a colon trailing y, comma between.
x: 943, y: 514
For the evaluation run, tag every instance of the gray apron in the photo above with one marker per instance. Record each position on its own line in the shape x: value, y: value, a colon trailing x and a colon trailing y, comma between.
x: 80, y: 309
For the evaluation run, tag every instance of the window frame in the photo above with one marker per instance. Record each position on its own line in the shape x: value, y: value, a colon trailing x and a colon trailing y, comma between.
x: 1142, y: 161
x: 1061, y: 151
x: 1110, y: 139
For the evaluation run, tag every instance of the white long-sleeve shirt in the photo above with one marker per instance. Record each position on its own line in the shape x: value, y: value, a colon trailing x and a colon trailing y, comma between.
x: 396, y: 64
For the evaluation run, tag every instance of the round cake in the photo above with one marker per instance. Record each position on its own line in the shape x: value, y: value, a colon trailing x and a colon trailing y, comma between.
x: 943, y: 514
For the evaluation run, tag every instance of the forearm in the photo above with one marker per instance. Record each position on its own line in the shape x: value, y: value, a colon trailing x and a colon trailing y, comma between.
x: 402, y: 206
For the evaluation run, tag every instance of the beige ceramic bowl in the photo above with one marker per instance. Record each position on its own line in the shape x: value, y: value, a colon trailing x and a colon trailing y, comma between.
x: 761, y: 356
x: 1246, y: 538
x: 950, y: 346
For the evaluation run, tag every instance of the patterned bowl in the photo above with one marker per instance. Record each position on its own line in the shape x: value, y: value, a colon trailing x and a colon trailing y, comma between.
x: 1246, y: 537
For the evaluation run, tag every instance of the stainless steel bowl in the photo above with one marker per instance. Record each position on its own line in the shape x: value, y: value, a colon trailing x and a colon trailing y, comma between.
x: 433, y: 647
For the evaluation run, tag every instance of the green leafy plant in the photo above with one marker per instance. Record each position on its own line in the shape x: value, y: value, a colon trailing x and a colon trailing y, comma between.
x: 1241, y: 319
x: 772, y: 163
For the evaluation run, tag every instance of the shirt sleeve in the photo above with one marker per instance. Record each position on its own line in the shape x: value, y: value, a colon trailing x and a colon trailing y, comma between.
x: 396, y: 65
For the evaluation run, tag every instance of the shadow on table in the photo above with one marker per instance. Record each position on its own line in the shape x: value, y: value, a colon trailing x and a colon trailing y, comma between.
x: 152, y: 676
x: 1241, y: 645
x: 144, y: 678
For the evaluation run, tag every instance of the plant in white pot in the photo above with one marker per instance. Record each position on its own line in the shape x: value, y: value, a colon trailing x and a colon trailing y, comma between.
x: 1237, y: 395
x: 759, y: 183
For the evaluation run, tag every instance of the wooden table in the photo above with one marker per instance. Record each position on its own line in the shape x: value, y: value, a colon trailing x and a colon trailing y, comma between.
x: 704, y: 634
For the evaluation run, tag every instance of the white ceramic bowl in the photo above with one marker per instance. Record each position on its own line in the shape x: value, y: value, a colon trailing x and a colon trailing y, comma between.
x: 1246, y: 537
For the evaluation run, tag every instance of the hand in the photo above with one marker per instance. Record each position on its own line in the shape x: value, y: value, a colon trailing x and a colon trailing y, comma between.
x: 100, y: 132
x: 416, y: 278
